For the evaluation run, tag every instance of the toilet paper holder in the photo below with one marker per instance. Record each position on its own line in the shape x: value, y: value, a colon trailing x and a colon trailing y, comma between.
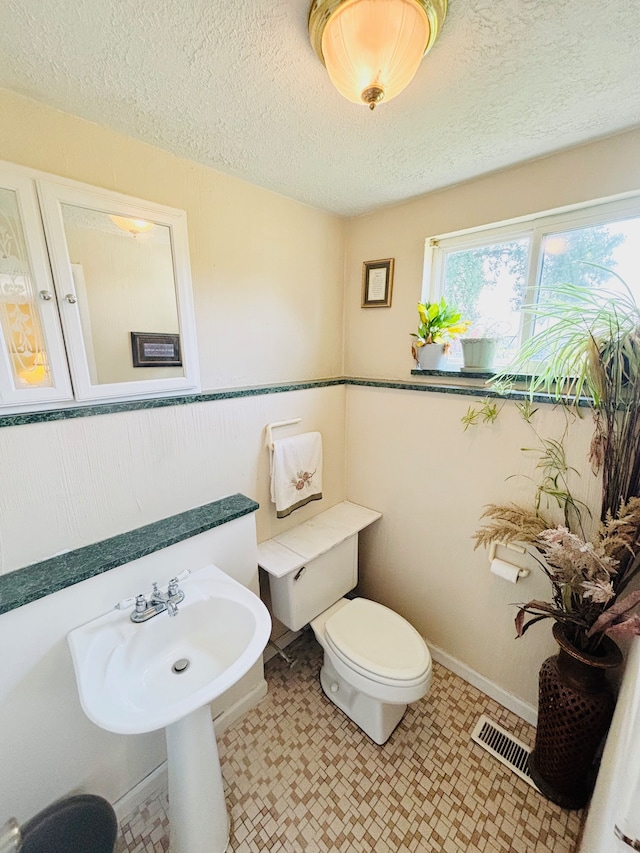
x: 519, y: 549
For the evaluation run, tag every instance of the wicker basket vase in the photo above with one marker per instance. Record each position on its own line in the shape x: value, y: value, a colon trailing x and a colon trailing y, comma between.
x: 575, y: 707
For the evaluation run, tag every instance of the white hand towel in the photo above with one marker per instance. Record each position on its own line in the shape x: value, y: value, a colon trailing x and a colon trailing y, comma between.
x: 296, y: 472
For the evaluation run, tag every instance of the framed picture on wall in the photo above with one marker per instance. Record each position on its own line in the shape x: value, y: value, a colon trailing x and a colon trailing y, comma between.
x: 153, y: 349
x: 377, y: 283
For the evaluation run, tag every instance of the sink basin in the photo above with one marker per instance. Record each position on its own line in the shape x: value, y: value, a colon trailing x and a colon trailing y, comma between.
x: 162, y: 673
x: 135, y: 678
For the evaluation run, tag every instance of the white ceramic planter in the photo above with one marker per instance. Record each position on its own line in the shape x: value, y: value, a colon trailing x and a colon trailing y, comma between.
x: 478, y: 353
x: 431, y: 356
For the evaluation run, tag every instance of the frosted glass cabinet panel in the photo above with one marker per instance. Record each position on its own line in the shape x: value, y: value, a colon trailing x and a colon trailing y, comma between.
x: 32, y: 358
x: 95, y: 295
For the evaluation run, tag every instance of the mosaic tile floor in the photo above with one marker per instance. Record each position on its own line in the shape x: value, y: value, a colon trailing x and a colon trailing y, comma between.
x: 300, y: 777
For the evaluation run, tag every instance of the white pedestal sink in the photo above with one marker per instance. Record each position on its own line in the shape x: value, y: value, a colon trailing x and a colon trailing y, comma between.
x: 135, y: 678
x: 199, y: 822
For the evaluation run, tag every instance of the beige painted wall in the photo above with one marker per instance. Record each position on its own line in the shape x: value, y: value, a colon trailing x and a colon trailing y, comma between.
x: 267, y: 271
x: 377, y: 343
x: 268, y: 286
x: 77, y: 481
x: 409, y: 458
x: 407, y: 453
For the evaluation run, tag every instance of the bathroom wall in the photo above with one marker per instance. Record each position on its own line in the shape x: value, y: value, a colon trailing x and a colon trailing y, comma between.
x: 408, y: 455
x: 74, y: 480
x: 268, y: 288
x: 267, y: 271
x: 268, y: 285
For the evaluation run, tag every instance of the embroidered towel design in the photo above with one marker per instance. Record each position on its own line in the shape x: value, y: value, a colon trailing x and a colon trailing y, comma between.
x: 296, y: 472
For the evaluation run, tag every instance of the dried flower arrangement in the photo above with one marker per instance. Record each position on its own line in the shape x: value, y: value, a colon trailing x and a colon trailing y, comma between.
x: 588, y: 579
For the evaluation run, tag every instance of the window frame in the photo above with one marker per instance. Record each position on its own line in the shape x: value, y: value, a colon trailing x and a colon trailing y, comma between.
x: 534, y: 227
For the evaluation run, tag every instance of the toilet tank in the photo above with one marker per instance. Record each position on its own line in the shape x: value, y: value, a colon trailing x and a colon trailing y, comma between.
x: 300, y: 596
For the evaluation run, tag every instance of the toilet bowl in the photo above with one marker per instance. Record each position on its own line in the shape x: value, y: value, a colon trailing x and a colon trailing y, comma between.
x: 375, y: 663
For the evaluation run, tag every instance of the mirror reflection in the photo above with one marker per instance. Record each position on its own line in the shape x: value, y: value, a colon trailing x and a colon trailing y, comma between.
x: 19, y: 319
x: 123, y: 273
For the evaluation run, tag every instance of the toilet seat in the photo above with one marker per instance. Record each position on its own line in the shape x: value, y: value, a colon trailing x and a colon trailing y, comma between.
x: 375, y: 664
x: 378, y: 643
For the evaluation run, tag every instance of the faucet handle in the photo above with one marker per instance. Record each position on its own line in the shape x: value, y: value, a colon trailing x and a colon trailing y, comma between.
x: 10, y: 837
x: 173, y: 588
x: 181, y: 576
x: 125, y: 603
x: 140, y: 602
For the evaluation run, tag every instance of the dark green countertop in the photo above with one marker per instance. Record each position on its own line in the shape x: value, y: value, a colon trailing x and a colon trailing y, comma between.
x: 39, y: 579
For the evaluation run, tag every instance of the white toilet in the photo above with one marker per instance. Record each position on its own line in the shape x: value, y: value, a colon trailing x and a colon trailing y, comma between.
x: 375, y: 662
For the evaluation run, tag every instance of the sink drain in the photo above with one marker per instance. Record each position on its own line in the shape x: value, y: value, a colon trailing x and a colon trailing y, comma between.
x: 180, y: 666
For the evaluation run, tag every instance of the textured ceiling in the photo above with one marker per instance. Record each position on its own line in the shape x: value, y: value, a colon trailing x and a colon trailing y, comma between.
x: 235, y: 84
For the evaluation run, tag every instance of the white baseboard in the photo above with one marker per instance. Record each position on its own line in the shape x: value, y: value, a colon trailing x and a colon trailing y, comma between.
x: 244, y: 704
x: 157, y: 780
x: 508, y: 700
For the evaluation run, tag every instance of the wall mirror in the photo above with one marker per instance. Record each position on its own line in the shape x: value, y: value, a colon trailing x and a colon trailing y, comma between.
x: 123, y: 287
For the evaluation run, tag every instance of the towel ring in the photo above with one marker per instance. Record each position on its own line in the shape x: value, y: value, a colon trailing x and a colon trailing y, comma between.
x: 275, y: 425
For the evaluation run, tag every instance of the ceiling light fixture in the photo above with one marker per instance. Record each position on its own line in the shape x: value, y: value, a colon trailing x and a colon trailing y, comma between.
x: 372, y: 48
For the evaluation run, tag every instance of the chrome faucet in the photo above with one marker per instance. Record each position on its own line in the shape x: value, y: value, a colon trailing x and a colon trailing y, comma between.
x: 157, y: 601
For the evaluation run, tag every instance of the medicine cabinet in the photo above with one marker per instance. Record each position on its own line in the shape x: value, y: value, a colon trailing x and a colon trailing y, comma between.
x: 95, y: 295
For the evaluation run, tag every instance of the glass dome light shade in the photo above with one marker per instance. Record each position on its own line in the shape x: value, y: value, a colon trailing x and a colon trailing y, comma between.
x: 372, y: 48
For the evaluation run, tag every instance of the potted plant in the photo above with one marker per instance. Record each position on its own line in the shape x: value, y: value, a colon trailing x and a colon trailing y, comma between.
x: 478, y: 353
x: 479, y: 346
x: 440, y: 323
x: 588, y: 352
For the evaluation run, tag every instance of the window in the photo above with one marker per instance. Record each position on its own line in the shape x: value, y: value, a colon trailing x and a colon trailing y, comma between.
x: 492, y: 272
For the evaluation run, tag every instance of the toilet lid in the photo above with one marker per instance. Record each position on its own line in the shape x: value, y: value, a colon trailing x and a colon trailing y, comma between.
x: 378, y: 641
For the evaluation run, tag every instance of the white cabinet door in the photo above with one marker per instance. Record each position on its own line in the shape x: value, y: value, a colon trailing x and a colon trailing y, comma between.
x: 33, y: 366
x: 122, y: 277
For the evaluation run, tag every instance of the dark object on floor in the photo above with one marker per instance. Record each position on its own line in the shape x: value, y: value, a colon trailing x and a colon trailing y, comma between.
x: 575, y: 707
x: 80, y: 824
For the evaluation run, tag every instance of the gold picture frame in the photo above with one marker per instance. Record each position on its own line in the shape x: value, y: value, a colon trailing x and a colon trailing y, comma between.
x: 377, y: 283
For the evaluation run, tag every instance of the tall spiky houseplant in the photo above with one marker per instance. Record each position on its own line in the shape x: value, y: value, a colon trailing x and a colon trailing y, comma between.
x: 587, y: 352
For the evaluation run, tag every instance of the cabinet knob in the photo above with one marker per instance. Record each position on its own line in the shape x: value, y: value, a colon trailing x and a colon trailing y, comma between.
x: 71, y: 299
x: 46, y: 295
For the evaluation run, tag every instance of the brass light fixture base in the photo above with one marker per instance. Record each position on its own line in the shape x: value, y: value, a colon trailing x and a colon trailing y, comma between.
x: 372, y: 96
x: 321, y: 10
